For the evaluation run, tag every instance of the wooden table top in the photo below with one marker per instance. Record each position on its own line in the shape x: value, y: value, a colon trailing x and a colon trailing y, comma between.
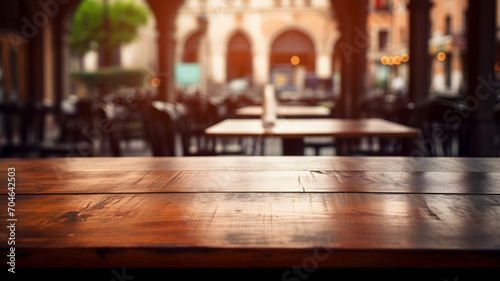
x: 299, y: 128
x: 255, y: 212
x: 286, y: 111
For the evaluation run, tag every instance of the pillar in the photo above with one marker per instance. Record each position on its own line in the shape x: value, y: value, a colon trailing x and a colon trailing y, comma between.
x: 419, y: 58
x: 352, y: 46
x: 482, y: 87
x: 166, y: 60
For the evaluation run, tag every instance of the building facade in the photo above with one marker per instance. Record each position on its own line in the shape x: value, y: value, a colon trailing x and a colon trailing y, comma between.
x: 234, y: 39
x: 248, y: 39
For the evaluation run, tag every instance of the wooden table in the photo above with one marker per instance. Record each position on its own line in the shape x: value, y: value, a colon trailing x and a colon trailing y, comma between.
x: 288, y: 111
x: 255, y: 212
x: 294, y: 130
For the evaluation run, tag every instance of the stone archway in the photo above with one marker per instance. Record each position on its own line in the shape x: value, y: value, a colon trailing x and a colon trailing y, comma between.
x: 293, y: 47
x: 239, y: 57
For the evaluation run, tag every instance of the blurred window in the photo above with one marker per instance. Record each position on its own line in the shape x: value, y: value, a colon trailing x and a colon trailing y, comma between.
x: 448, y: 25
x: 383, y: 38
x: 382, y: 5
x: 12, y: 59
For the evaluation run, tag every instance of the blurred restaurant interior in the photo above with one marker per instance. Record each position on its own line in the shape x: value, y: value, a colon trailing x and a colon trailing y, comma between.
x: 186, y: 65
x: 401, y: 94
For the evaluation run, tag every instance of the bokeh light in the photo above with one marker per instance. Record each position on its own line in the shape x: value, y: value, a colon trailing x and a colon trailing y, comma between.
x: 155, y: 82
x: 390, y: 60
x: 405, y: 57
x: 383, y: 60
x: 441, y: 56
x: 397, y: 60
x: 295, y: 60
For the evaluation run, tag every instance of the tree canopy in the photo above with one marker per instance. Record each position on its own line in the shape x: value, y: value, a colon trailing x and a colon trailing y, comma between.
x: 88, y: 31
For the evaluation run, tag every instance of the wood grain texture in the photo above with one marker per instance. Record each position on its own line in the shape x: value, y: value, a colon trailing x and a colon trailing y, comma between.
x: 299, y: 128
x: 95, y: 182
x: 190, y: 225
x: 256, y: 212
x: 255, y: 163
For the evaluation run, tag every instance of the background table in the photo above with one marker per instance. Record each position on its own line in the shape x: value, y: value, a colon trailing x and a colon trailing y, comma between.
x: 294, y: 130
x: 289, y: 111
x: 255, y: 212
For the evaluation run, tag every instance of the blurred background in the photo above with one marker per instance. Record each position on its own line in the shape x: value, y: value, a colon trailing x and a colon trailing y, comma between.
x: 145, y: 78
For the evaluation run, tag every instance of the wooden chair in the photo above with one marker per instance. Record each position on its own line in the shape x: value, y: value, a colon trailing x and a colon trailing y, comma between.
x: 391, y: 108
x: 23, y: 131
x: 159, y: 129
x: 196, y: 116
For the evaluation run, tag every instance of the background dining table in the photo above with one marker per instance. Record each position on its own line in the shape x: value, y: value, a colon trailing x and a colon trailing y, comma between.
x: 293, y: 131
x: 288, y: 111
x: 238, y: 212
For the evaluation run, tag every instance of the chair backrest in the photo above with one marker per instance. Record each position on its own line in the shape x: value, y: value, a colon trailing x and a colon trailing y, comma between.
x: 194, y: 117
x: 443, y: 125
x: 159, y: 130
x: 23, y: 123
x: 389, y: 108
x: 22, y: 129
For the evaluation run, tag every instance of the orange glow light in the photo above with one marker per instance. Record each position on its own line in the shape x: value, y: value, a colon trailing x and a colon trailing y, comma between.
x: 155, y: 82
x: 405, y: 57
x: 397, y: 60
x: 295, y: 60
x: 383, y: 60
x: 390, y: 60
x: 441, y: 56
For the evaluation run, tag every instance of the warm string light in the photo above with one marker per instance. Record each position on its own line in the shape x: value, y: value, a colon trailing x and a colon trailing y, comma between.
x: 396, y: 60
x: 390, y: 60
x: 405, y: 57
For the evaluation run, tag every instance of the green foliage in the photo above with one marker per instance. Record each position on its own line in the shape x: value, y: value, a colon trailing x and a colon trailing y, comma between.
x: 88, y: 32
x: 112, y: 78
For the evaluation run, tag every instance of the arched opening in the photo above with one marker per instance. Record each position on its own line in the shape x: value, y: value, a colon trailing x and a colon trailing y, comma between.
x: 293, y: 48
x: 239, y: 57
x: 191, y: 48
x: 293, y: 61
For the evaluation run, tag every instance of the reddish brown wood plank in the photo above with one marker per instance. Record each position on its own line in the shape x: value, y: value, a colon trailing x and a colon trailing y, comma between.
x: 255, y: 181
x: 256, y: 163
x: 192, y: 227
